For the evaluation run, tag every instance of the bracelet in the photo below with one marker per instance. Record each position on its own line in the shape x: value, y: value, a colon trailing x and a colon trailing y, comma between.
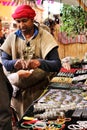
x: 26, y: 125
x: 75, y: 127
x: 29, y: 118
x: 56, y: 125
x: 40, y: 125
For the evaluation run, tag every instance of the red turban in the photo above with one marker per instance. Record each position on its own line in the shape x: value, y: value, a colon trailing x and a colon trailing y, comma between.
x: 24, y: 11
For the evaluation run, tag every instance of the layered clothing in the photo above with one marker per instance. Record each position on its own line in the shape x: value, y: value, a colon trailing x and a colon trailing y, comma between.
x: 41, y: 46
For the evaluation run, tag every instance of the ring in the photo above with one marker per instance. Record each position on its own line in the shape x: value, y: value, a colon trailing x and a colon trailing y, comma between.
x: 67, y: 119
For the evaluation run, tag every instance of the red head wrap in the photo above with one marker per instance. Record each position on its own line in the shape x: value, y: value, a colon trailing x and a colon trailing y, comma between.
x: 24, y: 11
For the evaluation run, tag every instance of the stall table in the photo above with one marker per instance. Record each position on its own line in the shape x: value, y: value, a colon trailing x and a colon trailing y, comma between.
x: 62, y: 105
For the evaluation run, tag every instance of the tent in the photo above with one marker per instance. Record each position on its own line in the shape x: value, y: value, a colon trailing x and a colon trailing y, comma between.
x: 82, y: 3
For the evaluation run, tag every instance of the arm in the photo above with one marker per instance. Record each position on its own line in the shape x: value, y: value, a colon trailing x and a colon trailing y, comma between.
x: 52, y: 62
x: 10, y: 64
x: 14, y: 77
x: 7, y: 61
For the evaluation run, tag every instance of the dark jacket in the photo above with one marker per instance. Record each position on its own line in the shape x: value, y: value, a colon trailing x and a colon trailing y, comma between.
x: 5, y: 98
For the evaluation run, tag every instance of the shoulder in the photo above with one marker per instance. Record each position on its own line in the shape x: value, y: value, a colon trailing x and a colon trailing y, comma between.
x: 8, y: 41
x: 43, y: 26
x: 10, y: 36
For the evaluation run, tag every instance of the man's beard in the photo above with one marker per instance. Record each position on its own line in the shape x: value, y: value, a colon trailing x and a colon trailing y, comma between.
x: 26, y: 30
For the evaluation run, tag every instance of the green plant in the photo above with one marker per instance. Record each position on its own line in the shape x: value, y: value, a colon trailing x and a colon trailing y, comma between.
x: 74, y: 20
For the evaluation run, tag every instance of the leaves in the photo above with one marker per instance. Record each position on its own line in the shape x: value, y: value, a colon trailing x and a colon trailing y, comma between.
x: 73, y: 20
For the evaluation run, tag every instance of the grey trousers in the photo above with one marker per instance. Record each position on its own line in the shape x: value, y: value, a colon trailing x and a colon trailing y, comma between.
x: 5, y: 98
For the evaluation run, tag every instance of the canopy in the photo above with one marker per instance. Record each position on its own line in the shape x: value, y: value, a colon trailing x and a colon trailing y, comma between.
x: 82, y: 3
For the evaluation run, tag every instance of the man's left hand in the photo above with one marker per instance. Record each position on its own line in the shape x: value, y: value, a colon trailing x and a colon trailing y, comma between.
x: 33, y: 64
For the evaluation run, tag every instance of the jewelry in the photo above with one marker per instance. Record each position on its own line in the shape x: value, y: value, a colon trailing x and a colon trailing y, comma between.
x: 40, y: 125
x: 75, y: 127
x: 83, y: 124
x: 26, y: 125
x: 29, y: 118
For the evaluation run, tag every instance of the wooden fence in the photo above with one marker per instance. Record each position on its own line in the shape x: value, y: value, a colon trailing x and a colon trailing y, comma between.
x: 73, y: 50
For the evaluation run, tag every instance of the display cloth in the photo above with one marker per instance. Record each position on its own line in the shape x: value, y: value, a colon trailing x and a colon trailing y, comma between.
x: 56, y: 109
x: 62, y: 106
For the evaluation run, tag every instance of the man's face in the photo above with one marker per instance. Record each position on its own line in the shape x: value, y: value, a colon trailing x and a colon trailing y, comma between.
x: 25, y: 24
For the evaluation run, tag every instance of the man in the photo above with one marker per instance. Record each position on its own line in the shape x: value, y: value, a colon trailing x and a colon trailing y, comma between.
x: 30, y: 47
x: 5, y: 100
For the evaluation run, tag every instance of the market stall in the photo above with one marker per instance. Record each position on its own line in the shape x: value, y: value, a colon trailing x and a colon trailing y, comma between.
x: 63, y: 104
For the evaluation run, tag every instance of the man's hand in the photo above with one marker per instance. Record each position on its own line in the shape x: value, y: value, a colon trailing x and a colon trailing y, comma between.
x: 24, y: 73
x: 20, y: 64
x: 33, y: 64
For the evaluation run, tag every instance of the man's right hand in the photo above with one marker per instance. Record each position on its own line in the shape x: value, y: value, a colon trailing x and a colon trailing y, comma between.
x: 20, y: 64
